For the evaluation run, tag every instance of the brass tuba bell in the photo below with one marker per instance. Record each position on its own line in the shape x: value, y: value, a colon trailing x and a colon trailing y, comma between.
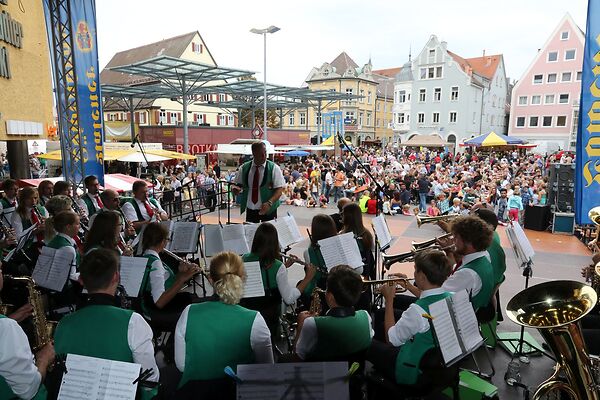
x: 594, y: 215
x: 554, y: 309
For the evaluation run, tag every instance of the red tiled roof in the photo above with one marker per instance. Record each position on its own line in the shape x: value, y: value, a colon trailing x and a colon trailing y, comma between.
x: 485, y: 66
x: 389, y: 72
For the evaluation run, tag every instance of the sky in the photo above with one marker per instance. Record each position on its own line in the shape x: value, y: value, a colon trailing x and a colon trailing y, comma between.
x: 316, y: 31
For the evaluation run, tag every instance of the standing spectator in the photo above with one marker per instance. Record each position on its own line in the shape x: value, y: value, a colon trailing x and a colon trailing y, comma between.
x: 515, y: 204
x: 209, y: 188
x: 338, y: 185
x: 328, y: 183
x: 502, y: 207
x: 217, y: 169
x: 423, y: 186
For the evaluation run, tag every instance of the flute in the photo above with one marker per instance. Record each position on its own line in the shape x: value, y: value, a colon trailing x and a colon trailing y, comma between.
x: 296, y: 260
x: 198, y: 267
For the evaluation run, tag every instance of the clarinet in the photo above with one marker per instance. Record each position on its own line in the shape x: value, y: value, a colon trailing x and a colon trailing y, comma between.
x: 84, y: 219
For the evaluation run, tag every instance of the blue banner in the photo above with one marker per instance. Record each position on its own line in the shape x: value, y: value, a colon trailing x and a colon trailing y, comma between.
x: 332, y: 124
x: 587, y: 180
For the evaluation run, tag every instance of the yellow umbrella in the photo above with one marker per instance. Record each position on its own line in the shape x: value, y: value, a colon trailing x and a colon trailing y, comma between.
x: 109, y: 155
x: 170, y: 154
x: 51, y: 155
x: 328, y: 141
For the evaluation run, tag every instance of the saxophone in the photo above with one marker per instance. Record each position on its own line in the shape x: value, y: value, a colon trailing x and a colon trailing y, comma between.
x: 315, y: 302
x: 43, y: 330
x: 592, y: 276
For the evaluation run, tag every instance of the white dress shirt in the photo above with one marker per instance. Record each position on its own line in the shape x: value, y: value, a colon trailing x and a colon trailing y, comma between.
x: 17, y: 224
x: 466, y: 278
x: 307, y: 341
x: 69, y: 254
x: 158, y: 276
x: 411, y: 322
x: 139, y: 338
x: 289, y: 293
x: 260, y: 340
x: 17, y: 365
x: 277, y: 181
x: 131, y: 215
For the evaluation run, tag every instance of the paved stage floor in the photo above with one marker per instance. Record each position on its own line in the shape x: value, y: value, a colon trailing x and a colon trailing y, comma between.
x: 557, y: 257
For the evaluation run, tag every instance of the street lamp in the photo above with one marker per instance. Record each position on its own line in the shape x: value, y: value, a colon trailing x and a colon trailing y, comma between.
x: 271, y: 29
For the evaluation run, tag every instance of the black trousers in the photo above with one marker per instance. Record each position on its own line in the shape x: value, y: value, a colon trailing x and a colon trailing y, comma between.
x: 255, y: 217
x: 383, y: 357
x: 401, y: 303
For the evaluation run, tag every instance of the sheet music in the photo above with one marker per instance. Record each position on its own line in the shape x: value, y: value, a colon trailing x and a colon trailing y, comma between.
x: 297, y: 381
x: 250, y: 231
x: 521, y: 245
x: 253, y: 287
x: 138, y: 241
x: 185, y: 237
x: 213, y: 240
x: 27, y: 232
x: 384, y: 237
x: 445, y: 331
x: 52, y: 269
x: 234, y: 239
x: 132, y: 273
x: 341, y: 250
x: 287, y: 231
x: 466, y: 320
x: 89, y: 378
x: 169, y: 225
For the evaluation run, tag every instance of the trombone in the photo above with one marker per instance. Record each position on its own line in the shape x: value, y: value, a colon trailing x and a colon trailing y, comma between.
x: 377, y: 283
x: 424, y: 219
x: 391, y: 259
x: 425, y: 244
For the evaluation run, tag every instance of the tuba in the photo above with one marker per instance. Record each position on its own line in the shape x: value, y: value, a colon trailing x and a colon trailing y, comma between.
x: 43, y: 330
x: 424, y: 219
x: 554, y: 309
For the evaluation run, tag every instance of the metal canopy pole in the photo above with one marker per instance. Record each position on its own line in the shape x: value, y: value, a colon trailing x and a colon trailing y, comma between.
x: 185, y: 117
x: 320, y: 124
x: 132, y: 123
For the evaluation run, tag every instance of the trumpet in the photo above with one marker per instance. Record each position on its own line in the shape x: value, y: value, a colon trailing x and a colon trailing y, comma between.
x: 391, y: 259
x: 425, y: 244
x: 377, y: 283
x: 424, y: 219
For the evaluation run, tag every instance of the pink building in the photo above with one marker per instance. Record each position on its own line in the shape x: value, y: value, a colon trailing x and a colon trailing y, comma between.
x: 545, y: 101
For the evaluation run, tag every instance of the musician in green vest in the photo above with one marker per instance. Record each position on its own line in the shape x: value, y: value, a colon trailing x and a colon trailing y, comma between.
x: 45, y: 189
x: 21, y: 375
x: 343, y: 331
x: 66, y: 224
x: 261, y: 184
x: 8, y: 203
x: 28, y: 213
x: 99, y: 329
x: 215, y: 334
x: 90, y: 201
x: 408, y: 339
x: 142, y: 210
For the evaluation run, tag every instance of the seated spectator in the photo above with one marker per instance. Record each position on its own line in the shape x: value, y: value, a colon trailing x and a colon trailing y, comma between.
x: 433, y: 210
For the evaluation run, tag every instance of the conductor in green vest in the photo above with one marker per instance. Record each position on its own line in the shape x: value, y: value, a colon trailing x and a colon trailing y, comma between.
x: 260, y: 182
x: 409, y: 339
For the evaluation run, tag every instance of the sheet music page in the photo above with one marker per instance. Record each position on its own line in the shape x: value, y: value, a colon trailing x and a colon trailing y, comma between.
x: 297, y: 381
x: 213, y: 240
x: 132, y: 273
x: 253, y: 287
x: 138, y: 241
x: 43, y: 274
x: 169, y: 225
x: 185, y: 237
x: 59, y: 270
x: 250, y: 231
x: 445, y: 331
x: 466, y: 320
x: 26, y: 232
x: 90, y: 378
x: 341, y: 249
x: 382, y: 231
x: 287, y: 231
x: 234, y: 239
x: 523, y: 242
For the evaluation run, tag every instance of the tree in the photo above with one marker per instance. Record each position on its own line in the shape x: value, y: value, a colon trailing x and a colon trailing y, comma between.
x: 246, y: 114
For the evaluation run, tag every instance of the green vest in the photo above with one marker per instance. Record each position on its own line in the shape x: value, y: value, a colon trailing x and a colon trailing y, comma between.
x: 58, y: 241
x: 95, y: 331
x: 498, y: 259
x: 265, y: 191
x: 316, y: 259
x: 146, y: 288
x: 6, y: 392
x: 91, y: 208
x: 483, y: 268
x: 269, y: 275
x: 217, y: 335
x: 341, y: 336
x: 411, y: 352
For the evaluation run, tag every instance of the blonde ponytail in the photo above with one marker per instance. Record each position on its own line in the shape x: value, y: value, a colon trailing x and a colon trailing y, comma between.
x: 228, y: 276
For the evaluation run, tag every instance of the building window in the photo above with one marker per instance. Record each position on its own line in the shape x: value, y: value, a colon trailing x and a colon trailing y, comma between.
x: 423, y: 74
x: 302, y: 118
x: 197, y: 48
x: 561, y: 121
x: 369, y: 97
x: 431, y: 72
x: 533, y: 121
x: 454, y: 93
x: 222, y: 98
x: 349, y: 118
x: 142, y: 117
x: 422, y: 95
x: 437, y: 94
x: 435, y: 118
x: 547, y: 121
x: 578, y: 76
x: 318, y: 118
x: 551, y: 78
x: 222, y: 119
x: 401, y: 118
x: 402, y: 96
x: 536, y: 99
x: 368, y: 119
x: 564, y: 35
x: 162, y: 117
x: 452, y: 118
x: 569, y: 55
x: 565, y: 77
x: 538, y: 79
x: 552, y: 56
x: 360, y: 118
x: 520, y: 122
x: 431, y: 57
x: 291, y: 118
x: 362, y: 94
x: 549, y: 99
x: 230, y: 120
x: 349, y: 92
x: 421, y: 118
x: 563, y: 98
x: 522, y: 100
x: 174, y: 118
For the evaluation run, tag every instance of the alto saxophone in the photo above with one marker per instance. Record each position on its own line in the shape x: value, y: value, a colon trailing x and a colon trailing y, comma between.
x: 43, y: 330
x: 315, y: 302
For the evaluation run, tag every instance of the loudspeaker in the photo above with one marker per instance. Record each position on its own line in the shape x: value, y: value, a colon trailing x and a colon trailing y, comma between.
x: 537, y: 218
x: 561, y: 187
x: 563, y: 223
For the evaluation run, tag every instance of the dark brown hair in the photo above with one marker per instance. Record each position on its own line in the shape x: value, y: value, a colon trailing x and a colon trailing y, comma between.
x: 473, y: 230
x: 321, y: 227
x: 154, y: 234
x: 434, y: 264
x: 266, y: 244
x: 352, y: 220
x: 345, y: 285
x: 102, y: 232
x: 63, y: 219
x: 98, y: 268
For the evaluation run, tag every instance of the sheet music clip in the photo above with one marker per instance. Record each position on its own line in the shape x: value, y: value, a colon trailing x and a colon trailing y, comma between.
x: 353, y: 368
x: 284, y: 251
x: 384, y: 248
x: 229, y: 372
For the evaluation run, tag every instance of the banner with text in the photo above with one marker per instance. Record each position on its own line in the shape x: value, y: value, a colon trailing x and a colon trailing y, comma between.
x: 587, y: 193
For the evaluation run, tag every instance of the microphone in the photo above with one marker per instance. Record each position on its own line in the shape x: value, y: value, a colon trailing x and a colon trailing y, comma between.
x: 135, y: 139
